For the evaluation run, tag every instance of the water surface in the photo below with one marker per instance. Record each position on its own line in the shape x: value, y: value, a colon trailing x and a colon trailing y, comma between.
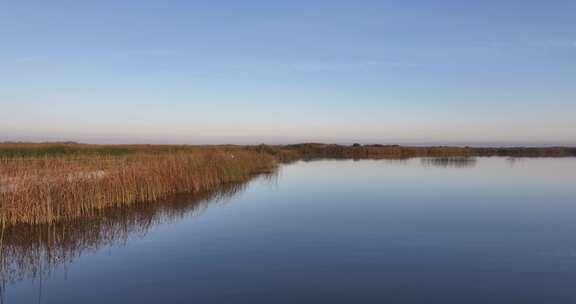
x: 485, y: 230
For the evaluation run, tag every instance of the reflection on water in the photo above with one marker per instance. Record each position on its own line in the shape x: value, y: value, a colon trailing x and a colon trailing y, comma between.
x: 336, y: 231
x: 449, y: 162
x: 31, y: 251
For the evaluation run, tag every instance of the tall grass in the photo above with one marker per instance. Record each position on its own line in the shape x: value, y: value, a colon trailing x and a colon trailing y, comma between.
x: 47, y: 189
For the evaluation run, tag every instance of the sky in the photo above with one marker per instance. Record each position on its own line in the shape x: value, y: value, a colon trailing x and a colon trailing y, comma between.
x: 197, y: 72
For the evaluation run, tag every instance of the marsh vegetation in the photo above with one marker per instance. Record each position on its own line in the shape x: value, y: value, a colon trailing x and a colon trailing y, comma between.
x: 47, y: 183
x: 46, y: 189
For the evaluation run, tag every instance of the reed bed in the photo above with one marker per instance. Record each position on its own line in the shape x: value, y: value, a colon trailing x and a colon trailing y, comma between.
x: 48, y: 189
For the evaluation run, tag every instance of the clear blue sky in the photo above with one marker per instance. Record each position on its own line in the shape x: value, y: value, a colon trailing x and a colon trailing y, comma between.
x: 291, y: 71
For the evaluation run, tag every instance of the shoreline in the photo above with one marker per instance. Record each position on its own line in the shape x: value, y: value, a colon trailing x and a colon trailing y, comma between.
x: 48, y: 183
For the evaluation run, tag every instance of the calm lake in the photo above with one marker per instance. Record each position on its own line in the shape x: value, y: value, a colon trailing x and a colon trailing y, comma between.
x: 483, y: 230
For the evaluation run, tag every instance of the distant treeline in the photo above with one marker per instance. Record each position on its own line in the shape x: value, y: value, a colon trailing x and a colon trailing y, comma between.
x: 318, y: 150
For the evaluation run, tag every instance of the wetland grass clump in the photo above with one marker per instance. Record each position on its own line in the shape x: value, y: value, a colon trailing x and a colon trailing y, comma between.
x: 50, y: 188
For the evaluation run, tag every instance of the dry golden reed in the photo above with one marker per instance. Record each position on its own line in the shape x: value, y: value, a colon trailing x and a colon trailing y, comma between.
x: 40, y: 190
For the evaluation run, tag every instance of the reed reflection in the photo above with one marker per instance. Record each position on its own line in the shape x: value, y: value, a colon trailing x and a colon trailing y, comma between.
x: 32, y: 251
x: 449, y: 162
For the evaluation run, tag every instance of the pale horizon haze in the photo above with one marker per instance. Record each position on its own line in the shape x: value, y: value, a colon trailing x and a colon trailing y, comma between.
x: 210, y: 72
